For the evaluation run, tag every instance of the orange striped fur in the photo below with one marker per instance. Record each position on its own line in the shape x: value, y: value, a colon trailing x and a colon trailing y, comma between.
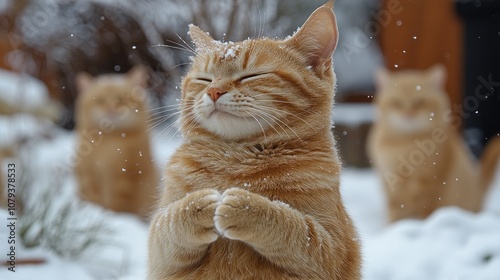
x: 253, y: 192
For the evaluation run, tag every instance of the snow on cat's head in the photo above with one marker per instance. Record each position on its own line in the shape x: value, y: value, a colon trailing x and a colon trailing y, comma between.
x: 223, y: 50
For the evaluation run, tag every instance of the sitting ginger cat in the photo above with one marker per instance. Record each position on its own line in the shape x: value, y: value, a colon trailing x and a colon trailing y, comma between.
x: 418, y: 153
x: 253, y: 191
x: 114, y: 167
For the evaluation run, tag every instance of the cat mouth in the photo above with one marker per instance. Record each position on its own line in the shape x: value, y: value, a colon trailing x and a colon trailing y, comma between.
x: 218, y: 112
x: 230, y: 124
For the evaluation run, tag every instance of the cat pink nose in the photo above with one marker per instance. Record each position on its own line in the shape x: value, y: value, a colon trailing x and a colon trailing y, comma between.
x: 215, y: 93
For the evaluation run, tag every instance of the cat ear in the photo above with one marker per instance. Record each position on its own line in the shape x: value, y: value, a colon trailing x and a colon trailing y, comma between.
x: 83, y: 80
x: 318, y: 37
x: 200, y: 38
x: 437, y: 75
x: 139, y: 75
x: 381, y: 78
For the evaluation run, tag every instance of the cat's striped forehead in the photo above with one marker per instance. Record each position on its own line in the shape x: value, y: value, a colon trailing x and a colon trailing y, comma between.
x: 228, y: 57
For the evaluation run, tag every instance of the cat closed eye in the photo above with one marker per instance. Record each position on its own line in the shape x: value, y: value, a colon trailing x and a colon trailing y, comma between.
x: 251, y: 76
x: 204, y: 80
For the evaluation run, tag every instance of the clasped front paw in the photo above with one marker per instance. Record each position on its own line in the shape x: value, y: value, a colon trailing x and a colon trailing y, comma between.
x: 233, y: 214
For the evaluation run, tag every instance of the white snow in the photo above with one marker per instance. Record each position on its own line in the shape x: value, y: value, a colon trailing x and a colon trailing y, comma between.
x: 230, y: 53
x: 26, y: 93
x: 22, y: 90
x: 452, y: 244
x: 225, y: 50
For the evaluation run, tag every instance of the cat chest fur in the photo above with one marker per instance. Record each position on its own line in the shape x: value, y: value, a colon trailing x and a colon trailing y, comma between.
x: 254, y: 169
x: 225, y: 258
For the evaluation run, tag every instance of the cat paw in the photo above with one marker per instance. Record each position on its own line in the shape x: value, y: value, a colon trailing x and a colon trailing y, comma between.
x: 198, y: 212
x: 237, y: 213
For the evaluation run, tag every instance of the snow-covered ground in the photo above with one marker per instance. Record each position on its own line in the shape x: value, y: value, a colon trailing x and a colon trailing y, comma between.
x: 450, y: 245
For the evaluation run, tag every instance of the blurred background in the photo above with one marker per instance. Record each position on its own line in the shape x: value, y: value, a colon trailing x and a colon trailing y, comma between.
x: 45, y: 43
x: 51, y: 41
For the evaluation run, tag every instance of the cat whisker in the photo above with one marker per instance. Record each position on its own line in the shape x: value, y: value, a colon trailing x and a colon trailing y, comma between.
x: 186, y: 44
x: 157, y: 120
x: 154, y: 123
x: 191, y: 119
x: 161, y: 135
x: 258, y: 122
x: 274, y: 110
x: 275, y: 120
x: 162, y: 107
x: 168, y: 107
x: 153, y: 115
x: 175, y: 110
x: 162, y: 111
x: 151, y: 127
x: 174, y: 47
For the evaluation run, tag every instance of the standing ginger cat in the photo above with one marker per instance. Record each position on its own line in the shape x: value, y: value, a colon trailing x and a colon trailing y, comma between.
x: 114, y: 166
x: 417, y: 151
x: 253, y: 192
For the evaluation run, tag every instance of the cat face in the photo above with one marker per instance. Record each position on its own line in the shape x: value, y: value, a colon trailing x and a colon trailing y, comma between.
x: 261, y: 87
x: 114, y: 100
x: 412, y: 101
x: 236, y: 97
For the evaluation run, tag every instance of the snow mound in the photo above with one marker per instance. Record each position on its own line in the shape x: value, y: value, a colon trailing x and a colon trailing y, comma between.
x: 451, y: 244
x: 18, y: 127
x: 25, y: 95
x: 22, y: 90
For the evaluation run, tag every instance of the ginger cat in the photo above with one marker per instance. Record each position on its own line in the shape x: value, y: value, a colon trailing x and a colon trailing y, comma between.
x: 417, y: 151
x: 253, y: 192
x: 114, y: 166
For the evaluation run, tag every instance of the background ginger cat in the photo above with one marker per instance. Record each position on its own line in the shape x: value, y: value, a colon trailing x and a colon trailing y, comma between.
x: 253, y: 192
x: 114, y: 166
x: 416, y: 150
